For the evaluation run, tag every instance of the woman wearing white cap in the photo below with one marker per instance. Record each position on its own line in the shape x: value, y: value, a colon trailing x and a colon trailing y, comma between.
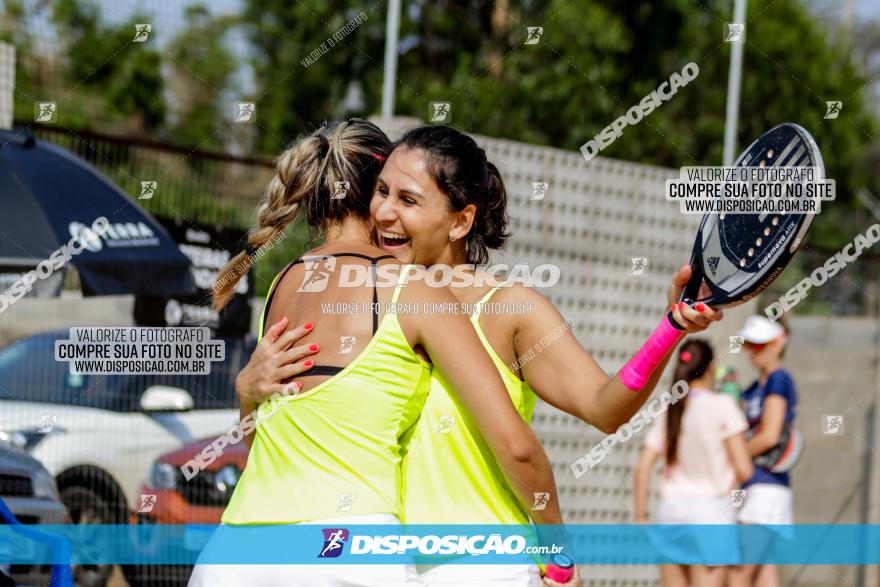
x: 769, y: 405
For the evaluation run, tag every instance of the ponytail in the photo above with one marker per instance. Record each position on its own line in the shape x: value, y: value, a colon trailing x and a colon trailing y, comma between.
x: 694, y: 358
x: 459, y: 168
x: 308, y: 174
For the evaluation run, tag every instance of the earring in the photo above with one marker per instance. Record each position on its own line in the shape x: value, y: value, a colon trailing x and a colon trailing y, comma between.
x: 451, y: 238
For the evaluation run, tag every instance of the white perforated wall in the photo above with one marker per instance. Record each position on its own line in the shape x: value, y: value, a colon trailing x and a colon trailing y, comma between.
x: 593, y: 219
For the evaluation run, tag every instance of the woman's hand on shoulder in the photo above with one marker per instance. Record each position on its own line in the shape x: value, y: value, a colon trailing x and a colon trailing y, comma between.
x: 275, y: 361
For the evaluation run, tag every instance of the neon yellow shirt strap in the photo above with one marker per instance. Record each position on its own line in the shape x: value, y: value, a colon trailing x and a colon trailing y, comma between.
x: 447, y: 440
x: 337, y: 448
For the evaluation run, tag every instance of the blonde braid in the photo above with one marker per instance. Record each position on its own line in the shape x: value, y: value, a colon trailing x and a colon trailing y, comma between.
x: 298, y: 172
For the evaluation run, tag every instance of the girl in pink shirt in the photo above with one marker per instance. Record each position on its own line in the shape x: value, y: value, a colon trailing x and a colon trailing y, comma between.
x: 702, y: 443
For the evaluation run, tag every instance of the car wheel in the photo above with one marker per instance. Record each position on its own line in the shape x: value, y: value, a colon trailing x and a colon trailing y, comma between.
x: 87, y: 507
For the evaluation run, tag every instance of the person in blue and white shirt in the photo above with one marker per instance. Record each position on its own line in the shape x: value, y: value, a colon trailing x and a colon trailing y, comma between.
x: 770, y: 405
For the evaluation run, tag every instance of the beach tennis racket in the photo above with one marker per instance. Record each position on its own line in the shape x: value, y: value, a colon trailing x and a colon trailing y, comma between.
x: 739, y: 255
x: 785, y: 455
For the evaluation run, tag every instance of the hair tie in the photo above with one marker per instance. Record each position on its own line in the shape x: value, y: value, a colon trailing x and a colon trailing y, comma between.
x: 325, y: 145
x: 685, y: 356
x: 250, y: 250
x: 378, y: 156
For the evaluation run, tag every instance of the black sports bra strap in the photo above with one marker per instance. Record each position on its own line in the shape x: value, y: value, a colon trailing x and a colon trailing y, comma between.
x: 328, y: 370
x: 272, y: 293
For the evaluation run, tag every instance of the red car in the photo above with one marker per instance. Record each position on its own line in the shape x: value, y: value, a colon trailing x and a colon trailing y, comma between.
x: 202, y: 499
x: 168, y: 498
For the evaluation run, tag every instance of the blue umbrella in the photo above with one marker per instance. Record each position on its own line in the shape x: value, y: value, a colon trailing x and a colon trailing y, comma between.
x: 50, y: 202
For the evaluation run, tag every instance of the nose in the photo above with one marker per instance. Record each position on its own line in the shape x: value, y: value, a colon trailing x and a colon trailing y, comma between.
x: 385, y: 213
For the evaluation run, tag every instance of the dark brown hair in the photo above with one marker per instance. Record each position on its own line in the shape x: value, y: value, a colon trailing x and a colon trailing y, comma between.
x: 693, y: 359
x: 459, y: 168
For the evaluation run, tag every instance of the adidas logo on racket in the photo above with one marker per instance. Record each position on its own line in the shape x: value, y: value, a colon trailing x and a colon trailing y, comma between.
x: 739, y: 255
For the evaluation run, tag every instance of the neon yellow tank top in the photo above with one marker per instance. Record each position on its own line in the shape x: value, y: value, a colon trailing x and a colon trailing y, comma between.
x: 336, y: 449
x: 450, y: 474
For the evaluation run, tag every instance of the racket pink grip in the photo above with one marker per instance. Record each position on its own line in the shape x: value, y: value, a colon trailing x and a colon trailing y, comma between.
x: 638, y: 370
x: 559, y: 574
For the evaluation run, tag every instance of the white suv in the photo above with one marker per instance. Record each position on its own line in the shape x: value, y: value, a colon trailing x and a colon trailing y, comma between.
x: 100, y: 434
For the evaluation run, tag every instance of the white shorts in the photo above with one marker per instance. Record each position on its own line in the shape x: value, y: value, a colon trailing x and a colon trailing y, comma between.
x: 678, y: 545
x: 340, y: 575
x: 695, y: 510
x: 767, y: 504
x: 477, y: 575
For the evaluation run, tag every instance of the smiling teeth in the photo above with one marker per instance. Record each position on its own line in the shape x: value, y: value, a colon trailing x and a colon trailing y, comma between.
x: 387, y: 234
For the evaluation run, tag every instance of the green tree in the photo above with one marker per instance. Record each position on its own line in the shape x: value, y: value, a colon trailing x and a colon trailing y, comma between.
x: 108, y: 80
x: 294, y: 96
x: 201, y: 69
x: 593, y: 62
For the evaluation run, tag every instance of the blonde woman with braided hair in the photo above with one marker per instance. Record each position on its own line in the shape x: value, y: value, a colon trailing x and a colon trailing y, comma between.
x: 336, y: 443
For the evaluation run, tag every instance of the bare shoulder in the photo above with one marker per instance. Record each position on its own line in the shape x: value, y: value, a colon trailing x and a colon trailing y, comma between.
x: 527, y: 305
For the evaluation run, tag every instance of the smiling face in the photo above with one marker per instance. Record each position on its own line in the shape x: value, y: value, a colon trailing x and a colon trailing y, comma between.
x: 411, y: 213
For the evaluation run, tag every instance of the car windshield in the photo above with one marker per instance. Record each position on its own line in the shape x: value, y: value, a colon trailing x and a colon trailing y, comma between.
x: 30, y: 373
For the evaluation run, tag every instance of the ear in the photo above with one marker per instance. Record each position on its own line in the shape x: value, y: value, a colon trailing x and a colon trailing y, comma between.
x: 463, y: 221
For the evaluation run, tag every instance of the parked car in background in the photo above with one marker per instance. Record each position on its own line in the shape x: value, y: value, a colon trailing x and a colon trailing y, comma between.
x: 99, y: 435
x: 201, y: 500
x: 29, y: 492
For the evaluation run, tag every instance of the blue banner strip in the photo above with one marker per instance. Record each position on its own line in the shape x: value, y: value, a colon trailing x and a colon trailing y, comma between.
x: 463, y: 544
